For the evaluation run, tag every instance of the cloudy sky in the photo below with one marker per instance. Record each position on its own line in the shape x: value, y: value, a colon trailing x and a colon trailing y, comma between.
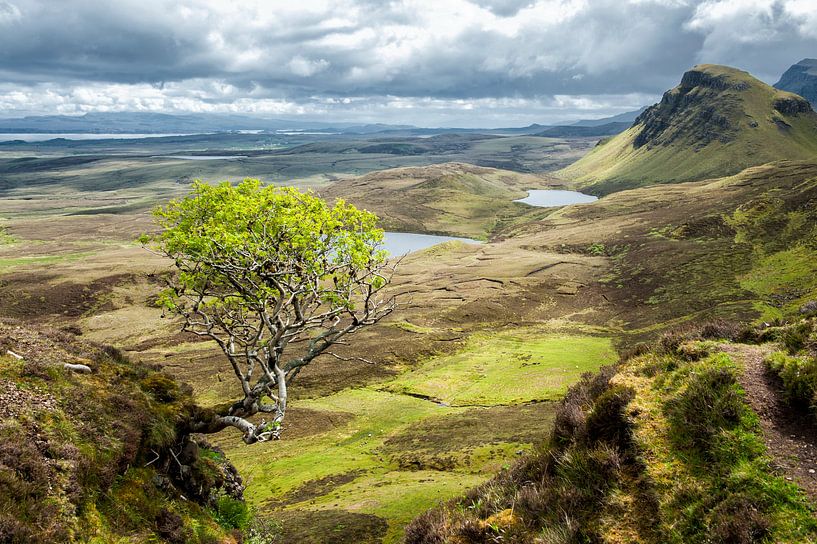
x: 423, y: 62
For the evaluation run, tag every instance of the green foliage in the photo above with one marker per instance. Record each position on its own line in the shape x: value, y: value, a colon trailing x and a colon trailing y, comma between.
x: 710, y: 402
x: 224, y: 232
x: 799, y: 377
x: 232, y: 513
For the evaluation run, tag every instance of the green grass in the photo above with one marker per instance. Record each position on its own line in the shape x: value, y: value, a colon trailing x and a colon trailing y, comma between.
x: 398, y: 496
x: 663, y: 449
x: 705, y: 451
x: 388, y: 472
x: 787, y: 277
x: 41, y: 260
x: 507, y: 368
x: 274, y: 468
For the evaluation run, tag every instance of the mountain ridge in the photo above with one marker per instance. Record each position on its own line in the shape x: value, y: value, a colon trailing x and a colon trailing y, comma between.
x: 801, y: 78
x: 716, y: 122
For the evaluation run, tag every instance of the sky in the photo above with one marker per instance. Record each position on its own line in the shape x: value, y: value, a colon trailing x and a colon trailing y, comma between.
x: 466, y: 63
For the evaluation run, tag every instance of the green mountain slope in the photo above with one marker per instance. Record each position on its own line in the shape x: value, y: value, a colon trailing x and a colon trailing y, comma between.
x: 717, y: 122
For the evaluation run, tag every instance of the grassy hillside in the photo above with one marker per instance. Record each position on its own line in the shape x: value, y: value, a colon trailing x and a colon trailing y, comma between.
x: 556, y: 287
x: 84, y: 457
x: 717, y: 122
x: 451, y: 198
x: 665, y: 448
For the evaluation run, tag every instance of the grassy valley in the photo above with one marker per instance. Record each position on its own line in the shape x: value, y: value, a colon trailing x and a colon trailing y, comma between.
x: 491, y: 396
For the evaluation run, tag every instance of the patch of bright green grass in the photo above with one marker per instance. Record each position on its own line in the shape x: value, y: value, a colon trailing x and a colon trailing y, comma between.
x: 507, y: 368
x: 786, y: 275
x: 386, y: 481
x: 274, y: 468
x: 397, y: 496
x: 38, y: 261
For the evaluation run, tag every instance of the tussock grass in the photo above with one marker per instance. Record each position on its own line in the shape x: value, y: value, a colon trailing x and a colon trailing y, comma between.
x: 663, y: 449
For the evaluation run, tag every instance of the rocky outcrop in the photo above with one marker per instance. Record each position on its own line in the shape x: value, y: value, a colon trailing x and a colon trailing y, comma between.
x: 698, y: 108
x: 792, y: 105
x: 801, y: 79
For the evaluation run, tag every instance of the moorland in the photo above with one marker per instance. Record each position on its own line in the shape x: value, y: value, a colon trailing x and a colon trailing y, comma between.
x: 488, y: 337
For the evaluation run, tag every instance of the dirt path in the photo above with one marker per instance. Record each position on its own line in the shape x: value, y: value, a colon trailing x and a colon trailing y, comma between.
x: 790, y: 438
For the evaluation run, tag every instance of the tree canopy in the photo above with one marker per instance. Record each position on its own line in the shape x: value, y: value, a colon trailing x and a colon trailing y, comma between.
x: 275, y: 277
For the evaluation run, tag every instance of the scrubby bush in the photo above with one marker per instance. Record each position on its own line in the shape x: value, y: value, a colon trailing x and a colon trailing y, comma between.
x: 795, y: 337
x: 739, y: 520
x: 607, y: 421
x: 86, y: 457
x: 265, y: 530
x: 798, y: 375
x: 232, y: 513
x: 710, y: 403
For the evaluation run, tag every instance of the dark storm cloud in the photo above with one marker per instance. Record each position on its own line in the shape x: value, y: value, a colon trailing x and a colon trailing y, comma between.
x: 346, y: 54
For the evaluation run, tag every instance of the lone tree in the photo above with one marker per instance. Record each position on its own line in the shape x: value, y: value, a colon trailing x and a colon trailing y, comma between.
x: 275, y: 277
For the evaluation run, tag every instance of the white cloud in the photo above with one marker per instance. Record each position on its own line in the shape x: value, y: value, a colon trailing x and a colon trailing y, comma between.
x: 9, y: 13
x: 360, y: 57
x: 306, y: 67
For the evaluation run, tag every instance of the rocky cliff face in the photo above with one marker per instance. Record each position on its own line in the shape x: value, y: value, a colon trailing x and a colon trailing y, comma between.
x: 700, y: 108
x: 801, y: 79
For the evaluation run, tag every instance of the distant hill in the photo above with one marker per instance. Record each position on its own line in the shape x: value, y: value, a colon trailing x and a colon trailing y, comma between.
x: 626, y: 117
x: 450, y: 198
x: 589, y: 131
x: 146, y: 122
x: 801, y: 79
x: 717, y: 122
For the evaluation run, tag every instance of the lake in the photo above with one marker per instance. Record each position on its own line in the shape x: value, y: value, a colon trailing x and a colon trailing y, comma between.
x: 400, y: 243
x: 201, y: 157
x: 545, y: 198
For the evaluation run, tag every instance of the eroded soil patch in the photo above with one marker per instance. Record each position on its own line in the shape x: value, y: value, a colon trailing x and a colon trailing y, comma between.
x: 313, y: 489
x: 324, y: 526
x: 528, y: 423
x: 33, y: 296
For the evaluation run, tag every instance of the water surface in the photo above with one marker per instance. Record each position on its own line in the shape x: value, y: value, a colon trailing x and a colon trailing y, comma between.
x: 201, y: 157
x: 544, y: 198
x: 400, y: 243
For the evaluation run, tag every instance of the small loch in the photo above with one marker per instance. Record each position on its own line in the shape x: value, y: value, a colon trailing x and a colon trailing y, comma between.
x: 400, y: 243
x: 545, y: 198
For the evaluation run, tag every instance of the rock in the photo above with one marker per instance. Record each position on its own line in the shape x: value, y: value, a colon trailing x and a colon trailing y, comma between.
x: 792, y: 105
x: 809, y: 307
x: 568, y: 289
x: 82, y: 369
